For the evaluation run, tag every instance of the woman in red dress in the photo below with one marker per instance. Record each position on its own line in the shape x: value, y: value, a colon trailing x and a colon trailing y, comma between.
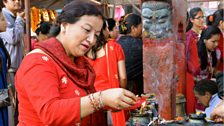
x: 55, y: 81
x: 195, y: 25
x: 108, y: 61
x: 217, y: 19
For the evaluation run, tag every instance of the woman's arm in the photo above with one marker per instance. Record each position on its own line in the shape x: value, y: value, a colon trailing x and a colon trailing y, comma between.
x: 122, y: 74
x: 38, y: 84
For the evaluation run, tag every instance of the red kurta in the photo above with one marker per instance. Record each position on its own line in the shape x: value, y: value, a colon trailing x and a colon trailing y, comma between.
x: 193, y: 68
x: 46, y: 95
x: 102, y: 82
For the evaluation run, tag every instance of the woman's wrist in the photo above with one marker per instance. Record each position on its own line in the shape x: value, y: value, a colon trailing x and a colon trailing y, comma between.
x: 96, y: 101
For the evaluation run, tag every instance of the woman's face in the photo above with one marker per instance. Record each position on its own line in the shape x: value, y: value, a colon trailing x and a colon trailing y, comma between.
x: 198, y: 20
x: 13, y: 5
x: 114, y: 32
x: 137, y: 31
x: 213, y: 42
x: 79, y: 37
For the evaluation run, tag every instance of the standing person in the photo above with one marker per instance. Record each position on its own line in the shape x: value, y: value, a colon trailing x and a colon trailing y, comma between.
x: 13, y: 36
x: 55, y: 81
x: 13, y: 39
x: 4, y: 59
x: 206, y: 46
x: 132, y: 46
x: 195, y: 25
x: 42, y: 32
x: 4, y: 64
x: 113, y: 28
x: 217, y: 20
x: 108, y: 62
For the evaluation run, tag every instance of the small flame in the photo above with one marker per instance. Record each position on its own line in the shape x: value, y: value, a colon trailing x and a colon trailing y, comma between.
x: 143, y: 104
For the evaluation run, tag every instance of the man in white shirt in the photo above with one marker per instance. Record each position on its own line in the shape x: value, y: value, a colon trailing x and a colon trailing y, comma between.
x: 206, y: 91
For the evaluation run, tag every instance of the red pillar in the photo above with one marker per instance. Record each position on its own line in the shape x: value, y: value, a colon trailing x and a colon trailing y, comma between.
x: 163, y: 52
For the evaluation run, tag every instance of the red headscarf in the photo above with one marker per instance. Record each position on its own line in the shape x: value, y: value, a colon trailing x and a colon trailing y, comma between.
x: 79, y: 71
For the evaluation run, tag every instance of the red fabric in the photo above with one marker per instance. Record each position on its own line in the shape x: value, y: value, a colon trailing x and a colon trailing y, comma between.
x: 49, y: 92
x: 47, y: 96
x: 193, y: 61
x: 100, y: 67
x: 79, y: 70
x: 115, y: 54
x: 220, y: 46
x: 193, y: 68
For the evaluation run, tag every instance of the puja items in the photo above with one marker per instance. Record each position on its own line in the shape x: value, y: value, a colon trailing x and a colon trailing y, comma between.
x: 142, y: 113
x: 180, y: 105
x: 140, y: 118
x: 198, y: 117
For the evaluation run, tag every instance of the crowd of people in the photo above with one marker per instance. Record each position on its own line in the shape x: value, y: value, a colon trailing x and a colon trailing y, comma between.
x: 86, y: 66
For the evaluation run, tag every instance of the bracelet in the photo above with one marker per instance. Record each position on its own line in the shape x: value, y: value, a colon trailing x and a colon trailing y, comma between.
x: 100, y: 100
x: 97, y: 104
x: 92, y: 101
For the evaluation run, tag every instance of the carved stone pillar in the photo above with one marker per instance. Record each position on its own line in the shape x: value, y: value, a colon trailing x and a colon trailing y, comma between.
x: 163, y: 52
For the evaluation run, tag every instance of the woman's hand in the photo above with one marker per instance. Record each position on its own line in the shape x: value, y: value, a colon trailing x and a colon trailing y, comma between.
x: 118, y: 98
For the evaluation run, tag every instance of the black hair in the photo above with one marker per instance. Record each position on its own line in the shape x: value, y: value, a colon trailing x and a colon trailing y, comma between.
x: 1, y: 5
x: 193, y: 12
x: 202, y: 51
x: 43, y: 27
x: 129, y: 21
x: 217, y: 17
x: 111, y: 23
x: 206, y: 85
x: 72, y: 12
x: 6, y: 52
x: 101, y: 41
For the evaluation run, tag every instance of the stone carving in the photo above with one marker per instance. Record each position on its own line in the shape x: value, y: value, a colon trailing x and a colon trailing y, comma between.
x: 156, y: 19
